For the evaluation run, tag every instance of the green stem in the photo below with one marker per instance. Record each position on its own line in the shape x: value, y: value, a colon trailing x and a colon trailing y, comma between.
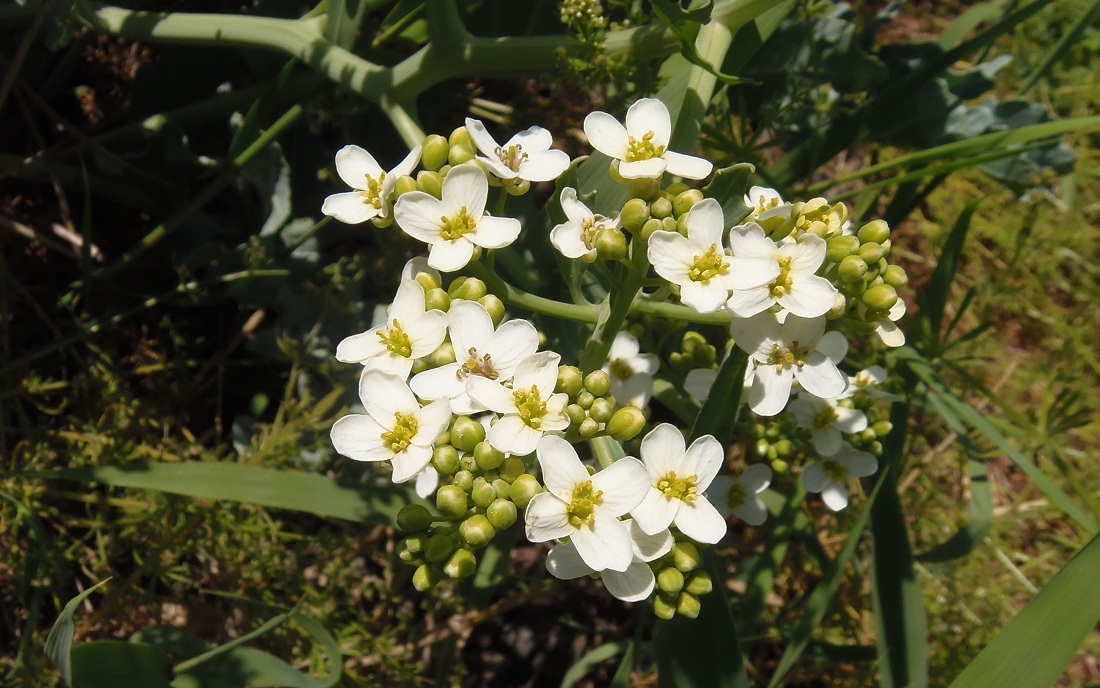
x: 615, y: 308
x: 514, y: 296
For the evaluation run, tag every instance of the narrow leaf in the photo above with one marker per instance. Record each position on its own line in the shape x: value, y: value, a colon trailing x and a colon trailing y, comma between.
x: 934, y: 298
x: 719, y: 413
x: 59, y: 641
x: 591, y: 659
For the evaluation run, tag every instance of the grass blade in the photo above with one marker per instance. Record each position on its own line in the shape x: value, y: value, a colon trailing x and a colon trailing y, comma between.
x: 1064, y: 43
x: 934, y: 298
x: 59, y: 641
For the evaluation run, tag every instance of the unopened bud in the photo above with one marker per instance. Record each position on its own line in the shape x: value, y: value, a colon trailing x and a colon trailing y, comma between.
x: 570, y: 381
x: 602, y: 410
x: 486, y: 457
x: 451, y: 501
x: 842, y: 246
x: 626, y: 423
x: 414, y: 518
x: 438, y: 547
x: 437, y: 299
x: 424, y: 579
x: 511, y: 469
x: 660, y: 208
x: 430, y: 183
x: 685, y: 556
x: 501, y: 514
x: 466, y: 433
x: 404, y: 185
x: 483, y: 494
x: 460, y: 154
x: 469, y: 288
x: 688, y: 605
x: 588, y: 427
x: 517, y: 186
x: 524, y: 489
x: 445, y: 460
x: 477, y: 531
x: 462, y: 564
x: 651, y: 225
x: 882, y: 428
x: 880, y: 297
x: 611, y: 244
x: 433, y: 153
x: 443, y: 354
x: 664, y: 608
x: 875, y: 232
x: 895, y: 276
x: 670, y: 581
x: 871, y: 253
x: 576, y: 413
x: 598, y: 383
x: 494, y: 306
x: 634, y: 214
x: 699, y: 584
x: 585, y: 399
x: 852, y: 268
x: 460, y: 137
x: 464, y: 480
x: 685, y: 200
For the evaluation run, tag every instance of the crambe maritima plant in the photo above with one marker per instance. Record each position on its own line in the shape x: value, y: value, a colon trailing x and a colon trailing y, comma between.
x: 578, y: 444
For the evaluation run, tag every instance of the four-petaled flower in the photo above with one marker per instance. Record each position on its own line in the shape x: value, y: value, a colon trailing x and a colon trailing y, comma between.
x: 527, y: 155
x: 586, y: 508
x: 678, y: 480
x: 455, y: 224
x: 640, y: 149
x: 631, y: 372
x: 698, y: 263
x: 830, y: 475
x: 826, y: 420
x: 797, y: 288
x: 741, y: 494
x: 373, y: 185
x: 576, y: 237
x: 395, y: 429
x: 632, y: 585
x: 528, y: 409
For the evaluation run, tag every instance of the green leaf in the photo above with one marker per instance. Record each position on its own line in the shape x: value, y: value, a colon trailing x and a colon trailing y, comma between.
x: 818, y: 602
x: 1035, y: 647
x: 685, y: 25
x: 968, y: 21
x: 269, y: 487
x: 720, y: 410
x: 113, y: 663
x: 59, y: 641
x: 731, y: 183
x: 934, y: 298
x: 592, y: 658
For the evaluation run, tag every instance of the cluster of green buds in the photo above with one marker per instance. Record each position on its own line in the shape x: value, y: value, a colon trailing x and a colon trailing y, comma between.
x: 680, y: 581
x: 862, y: 272
x: 778, y: 441
x: 592, y: 409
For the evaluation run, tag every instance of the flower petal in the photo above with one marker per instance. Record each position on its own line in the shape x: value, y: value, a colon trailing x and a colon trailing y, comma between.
x: 770, y: 390
x: 642, y: 169
x: 350, y: 208
x: 481, y: 137
x: 606, y: 134
x: 650, y: 547
x: 354, y: 164
x: 562, y: 469
x: 656, y: 512
x: 605, y: 544
x: 564, y: 563
x: 410, y: 462
x: 700, y: 521
x: 384, y: 395
x: 359, y: 437
x: 546, y: 518
x: 809, y: 296
x: 633, y: 585
x: 495, y: 232
x: 545, y: 166
x: 465, y: 186
x: 704, y: 458
x: 512, y: 436
x: 649, y: 115
x: 448, y: 256
x: 663, y: 450
x: 745, y: 303
x: 624, y: 484
x: 687, y: 166
x: 819, y: 376
x: 419, y: 215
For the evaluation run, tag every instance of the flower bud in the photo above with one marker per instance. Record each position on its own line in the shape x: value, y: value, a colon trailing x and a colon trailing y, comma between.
x: 660, y: 208
x: 895, y: 276
x: 588, y: 427
x: 451, y: 501
x: 685, y: 200
x: 602, y: 410
x: 466, y: 433
x: 685, y: 556
x: 503, y: 488
x: 438, y: 547
x: 524, y: 489
x: 517, y: 186
x: 433, y: 152
x: 462, y: 564
x: 466, y: 463
x: 875, y: 232
x: 460, y: 137
x: 415, y: 543
x: 867, y: 435
x: 443, y: 354
x: 486, y: 457
x: 841, y: 247
x: 626, y: 423
x: 780, y: 467
x: 404, y: 185
x: 871, y: 253
x: 882, y: 428
x: 407, y: 556
x: 460, y: 154
x: 585, y: 399
x: 445, y: 460
x: 414, y: 518
x: 511, y: 469
x: 502, y: 514
x: 675, y: 189
x: 613, y: 172
x: 669, y: 224
x: 681, y: 225
x: 477, y: 531
x: 570, y: 381
x: 688, y: 606
x: 852, y: 268
x: 699, y: 584
x: 464, y: 480
x: 611, y: 244
x: 670, y: 581
x: 483, y: 494
x: 430, y: 183
x: 664, y: 608
x: 437, y: 299
x: 644, y: 187
x: 880, y: 297
x: 576, y: 414
x: 634, y: 214
x: 469, y: 288
x: 424, y: 578
x: 651, y: 225
x: 494, y: 306
x: 598, y: 383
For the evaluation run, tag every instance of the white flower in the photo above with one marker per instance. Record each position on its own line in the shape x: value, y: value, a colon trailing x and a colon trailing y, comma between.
x: 698, y: 263
x: 586, y: 508
x: 631, y: 372
x: 395, y: 429
x: 830, y: 476
x: 742, y: 494
x: 890, y: 334
x: 419, y: 266
x: 782, y: 352
x: 640, y: 149
x: 409, y: 333
x: 797, y: 288
x: 529, y: 409
x: 634, y: 584
x: 373, y: 185
x: 479, y: 350
x: 678, y: 480
x: 527, y: 155
x: 576, y: 237
x: 455, y: 224
x: 826, y: 420
x: 767, y: 209
x: 868, y: 381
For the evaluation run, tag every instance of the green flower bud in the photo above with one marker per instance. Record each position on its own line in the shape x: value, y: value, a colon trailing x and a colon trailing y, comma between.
x: 430, y: 183
x: 761, y: 447
x: 404, y: 185
x: 451, y: 501
x: 414, y: 518
x: 423, y: 578
x: 407, y: 556
x: 663, y: 608
x: 688, y: 606
x: 460, y: 154
x: 524, y: 489
x: 576, y: 413
x: 660, y: 208
x: 443, y: 354
x: 462, y: 564
x: 699, y: 584
x: 486, y: 457
x: 415, y: 543
x: 613, y: 172
x: 460, y: 137
x: 511, y: 469
x: 466, y: 433
x: 681, y: 225
x: 895, y: 276
x: 585, y: 399
x: 874, y: 232
x: 438, y: 547
x: 588, y: 427
x: 676, y: 189
x: 517, y: 186
x: 685, y: 556
x: 669, y: 224
x: 871, y: 253
x: 503, y: 488
x: 626, y: 423
x: 875, y: 448
x: 880, y: 297
x: 868, y: 435
x: 477, y: 531
x: 598, y: 383
x: 427, y: 281
x: 437, y: 299
x: 651, y: 225
x: 469, y: 288
x: 433, y: 152
x: 634, y: 214
x: 685, y: 200
x: 611, y: 244
x: 464, y: 480
x: 784, y: 447
x: 852, y: 268
x: 445, y: 460
x: 494, y: 306
x: 501, y: 514
x: 466, y: 463
x: 570, y: 381
x: 602, y: 410
x: 780, y: 467
x: 483, y: 494
x: 882, y: 428
x: 670, y: 581
x: 841, y: 247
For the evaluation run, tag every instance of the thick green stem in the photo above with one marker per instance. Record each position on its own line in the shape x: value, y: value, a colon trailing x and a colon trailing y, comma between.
x: 514, y: 296
x: 614, y: 309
